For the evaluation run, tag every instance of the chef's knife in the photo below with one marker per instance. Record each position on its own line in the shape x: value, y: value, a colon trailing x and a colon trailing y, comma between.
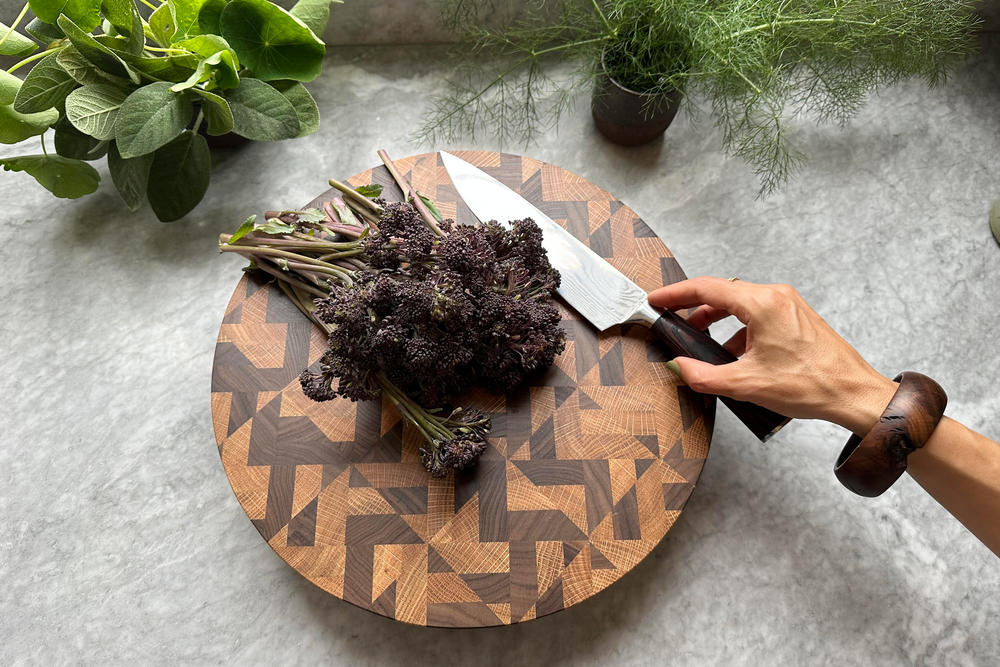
x: 597, y: 290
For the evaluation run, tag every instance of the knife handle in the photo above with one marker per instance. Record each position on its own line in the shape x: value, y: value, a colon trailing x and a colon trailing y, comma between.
x: 684, y: 340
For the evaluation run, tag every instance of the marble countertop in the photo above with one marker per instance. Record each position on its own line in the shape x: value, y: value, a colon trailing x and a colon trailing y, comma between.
x: 123, y: 543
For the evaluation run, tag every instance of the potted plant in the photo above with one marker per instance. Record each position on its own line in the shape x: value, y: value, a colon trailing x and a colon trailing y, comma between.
x: 145, y: 88
x: 755, y: 64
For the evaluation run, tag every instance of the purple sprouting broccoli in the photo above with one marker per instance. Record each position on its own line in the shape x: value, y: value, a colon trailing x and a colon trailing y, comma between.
x: 434, y: 315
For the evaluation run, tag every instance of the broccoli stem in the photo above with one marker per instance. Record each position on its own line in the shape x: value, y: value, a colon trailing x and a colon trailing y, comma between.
x: 368, y: 208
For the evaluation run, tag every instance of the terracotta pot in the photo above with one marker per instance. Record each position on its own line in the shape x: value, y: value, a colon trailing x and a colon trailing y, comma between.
x: 628, y: 117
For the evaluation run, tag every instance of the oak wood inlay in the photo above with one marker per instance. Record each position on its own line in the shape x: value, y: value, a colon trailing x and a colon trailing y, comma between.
x: 587, y: 469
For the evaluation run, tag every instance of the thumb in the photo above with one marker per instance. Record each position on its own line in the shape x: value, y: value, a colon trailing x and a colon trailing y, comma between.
x: 705, y: 378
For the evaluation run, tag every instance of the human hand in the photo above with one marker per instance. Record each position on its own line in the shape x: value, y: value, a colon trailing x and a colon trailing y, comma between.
x: 791, y: 361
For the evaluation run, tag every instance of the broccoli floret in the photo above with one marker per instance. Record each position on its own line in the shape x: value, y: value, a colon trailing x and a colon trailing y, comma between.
x: 434, y: 315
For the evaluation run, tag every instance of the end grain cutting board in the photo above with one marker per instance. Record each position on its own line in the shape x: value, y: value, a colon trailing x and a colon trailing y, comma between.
x: 587, y: 469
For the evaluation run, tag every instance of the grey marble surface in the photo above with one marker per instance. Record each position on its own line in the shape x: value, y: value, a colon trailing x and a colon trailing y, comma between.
x: 122, y: 542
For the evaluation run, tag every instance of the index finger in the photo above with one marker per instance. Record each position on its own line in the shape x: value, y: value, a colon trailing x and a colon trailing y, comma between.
x: 729, y: 295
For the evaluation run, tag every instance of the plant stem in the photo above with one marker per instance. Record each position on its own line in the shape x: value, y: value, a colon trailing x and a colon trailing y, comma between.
x: 272, y: 252
x: 293, y: 244
x: 283, y: 277
x: 604, y: 19
x: 20, y: 17
x: 35, y: 57
x: 570, y: 45
x: 513, y: 68
x: 197, y: 121
x: 41, y: 138
x: 159, y: 49
x: 408, y: 190
x: 357, y: 197
x: 150, y: 5
x: 787, y: 22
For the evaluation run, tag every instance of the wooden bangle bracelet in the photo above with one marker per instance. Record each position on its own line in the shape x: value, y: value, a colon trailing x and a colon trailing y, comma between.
x: 870, y: 465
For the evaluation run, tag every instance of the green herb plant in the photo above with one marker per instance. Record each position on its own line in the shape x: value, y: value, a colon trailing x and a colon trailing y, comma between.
x: 755, y: 63
x: 143, y: 85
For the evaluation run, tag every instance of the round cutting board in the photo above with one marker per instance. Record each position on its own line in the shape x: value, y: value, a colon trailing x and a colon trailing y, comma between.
x: 587, y: 468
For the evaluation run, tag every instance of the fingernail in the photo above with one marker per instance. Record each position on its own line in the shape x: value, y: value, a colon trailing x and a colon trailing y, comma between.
x: 674, y: 367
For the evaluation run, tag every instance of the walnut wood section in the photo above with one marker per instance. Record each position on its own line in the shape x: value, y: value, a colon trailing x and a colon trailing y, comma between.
x: 587, y: 469
x: 869, y: 466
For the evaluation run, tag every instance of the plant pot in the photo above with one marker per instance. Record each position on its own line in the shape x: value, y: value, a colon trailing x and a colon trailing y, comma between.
x: 229, y: 140
x: 628, y: 117
x: 216, y: 141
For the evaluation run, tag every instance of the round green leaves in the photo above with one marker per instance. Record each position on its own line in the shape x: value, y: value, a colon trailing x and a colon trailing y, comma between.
x: 149, y: 118
x: 178, y: 176
x: 93, y: 109
x: 262, y: 113
x: 106, y: 90
x: 45, y: 86
x: 63, y: 177
x: 15, y: 127
x: 272, y: 43
x: 85, y: 13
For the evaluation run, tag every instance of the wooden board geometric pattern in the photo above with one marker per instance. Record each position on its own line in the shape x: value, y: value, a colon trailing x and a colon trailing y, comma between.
x: 587, y: 469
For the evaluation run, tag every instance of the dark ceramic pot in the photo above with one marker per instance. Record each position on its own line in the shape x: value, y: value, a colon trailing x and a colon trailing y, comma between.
x: 229, y: 140
x: 628, y: 117
x: 224, y: 141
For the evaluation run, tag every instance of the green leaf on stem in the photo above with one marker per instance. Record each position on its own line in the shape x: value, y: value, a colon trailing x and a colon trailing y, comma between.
x: 274, y: 227
x: 271, y: 42
x: 130, y: 177
x: 204, y: 45
x: 83, y: 71
x: 208, y: 16
x: 84, y: 13
x: 125, y: 19
x: 45, y: 86
x: 311, y: 215
x: 179, y: 175
x: 93, y: 109
x: 303, y: 102
x: 243, y: 230
x: 46, y: 33
x: 97, y: 53
x: 371, y: 191
x: 314, y: 13
x: 186, y: 15
x: 346, y: 214
x: 16, y: 127
x: 219, y: 70
x: 136, y: 37
x: 9, y: 85
x: 171, y: 68
x: 995, y: 220
x: 61, y: 176
x: 261, y: 113
x: 121, y: 14
x: 15, y: 44
x: 72, y: 143
x: 163, y: 25
x: 216, y: 111
x: 431, y: 207
x: 150, y: 117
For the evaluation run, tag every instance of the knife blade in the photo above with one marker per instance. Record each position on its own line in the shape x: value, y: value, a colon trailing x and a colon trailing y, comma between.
x: 598, y: 291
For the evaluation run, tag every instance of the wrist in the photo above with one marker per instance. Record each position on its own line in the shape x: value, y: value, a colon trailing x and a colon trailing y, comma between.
x: 864, y: 400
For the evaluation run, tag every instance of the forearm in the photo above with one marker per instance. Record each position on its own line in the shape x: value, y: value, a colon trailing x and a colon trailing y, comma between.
x: 961, y: 470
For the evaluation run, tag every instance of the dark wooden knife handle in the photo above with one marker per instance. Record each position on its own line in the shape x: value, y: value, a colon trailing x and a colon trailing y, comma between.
x: 684, y: 340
